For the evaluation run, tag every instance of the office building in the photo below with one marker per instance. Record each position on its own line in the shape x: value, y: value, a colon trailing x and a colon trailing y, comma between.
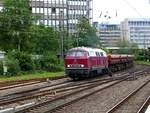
x: 109, y: 35
x: 62, y: 13
x: 136, y: 31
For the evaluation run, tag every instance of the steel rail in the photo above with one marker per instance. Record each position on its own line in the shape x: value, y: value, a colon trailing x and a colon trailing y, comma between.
x: 77, y: 99
x: 29, y: 95
x: 56, y: 108
x: 24, y: 95
x: 127, y: 97
x: 19, y: 85
x: 144, y: 106
x: 61, y: 90
x: 35, y: 89
x: 58, y: 84
x: 39, y: 94
x: 73, y: 93
x: 16, y: 82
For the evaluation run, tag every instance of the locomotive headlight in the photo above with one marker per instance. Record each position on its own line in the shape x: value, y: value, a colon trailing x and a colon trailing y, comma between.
x: 82, y: 65
x: 68, y: 65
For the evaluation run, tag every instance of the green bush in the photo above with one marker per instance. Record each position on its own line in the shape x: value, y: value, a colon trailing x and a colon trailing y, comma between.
x: 37, y: 64
x: 46, y: 62
x: 13, y: 67
x: 141, y: 55
x: 50, y: 62
x: 25, y: 60
x: 55, y: 68
x: 26, y: 63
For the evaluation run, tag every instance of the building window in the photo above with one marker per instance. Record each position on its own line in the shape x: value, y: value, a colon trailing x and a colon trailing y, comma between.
x: 53, y: 10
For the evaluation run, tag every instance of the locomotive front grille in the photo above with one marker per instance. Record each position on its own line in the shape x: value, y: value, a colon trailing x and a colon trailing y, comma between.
x: 75, y: 66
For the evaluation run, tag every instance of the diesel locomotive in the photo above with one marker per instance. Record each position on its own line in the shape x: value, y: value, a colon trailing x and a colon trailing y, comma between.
x: 81, y: 62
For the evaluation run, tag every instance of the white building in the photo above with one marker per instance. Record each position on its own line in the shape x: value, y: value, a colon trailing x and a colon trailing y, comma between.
x: 136, y: 31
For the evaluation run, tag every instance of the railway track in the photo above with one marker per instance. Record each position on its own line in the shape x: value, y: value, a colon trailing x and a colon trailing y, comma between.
x: 56, y: 103
x: 29, y: 87
x: 50, y: 91
x: 28, y: 94
x: 13, y: 84
x: 59, y: 91
x: 19, y: 83
x: 144, y: 106
x: 47, y: 90
x: 64, y: 100
x: 132, y: 102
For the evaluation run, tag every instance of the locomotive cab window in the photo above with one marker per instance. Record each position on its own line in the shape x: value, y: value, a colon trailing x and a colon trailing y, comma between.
x: 102, y: 54
x: 77, y: 53
x: 92, y: 53
x: 97, y: 54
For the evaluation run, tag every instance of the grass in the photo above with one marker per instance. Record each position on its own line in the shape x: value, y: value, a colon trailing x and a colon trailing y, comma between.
x: 143, y: 62
x: 31, y: 76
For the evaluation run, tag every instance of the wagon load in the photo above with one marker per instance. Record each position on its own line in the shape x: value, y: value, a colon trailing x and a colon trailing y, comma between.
x: 120, y: 61
x: 119, y: 58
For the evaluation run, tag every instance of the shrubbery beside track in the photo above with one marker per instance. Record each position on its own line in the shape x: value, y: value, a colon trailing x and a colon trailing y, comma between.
x: 21, y: 62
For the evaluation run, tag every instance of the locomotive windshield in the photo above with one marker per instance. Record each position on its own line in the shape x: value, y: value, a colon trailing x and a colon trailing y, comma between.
x: 77, y: 53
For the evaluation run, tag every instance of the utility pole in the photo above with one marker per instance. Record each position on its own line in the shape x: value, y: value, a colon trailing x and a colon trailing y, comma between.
x: 61, y: 33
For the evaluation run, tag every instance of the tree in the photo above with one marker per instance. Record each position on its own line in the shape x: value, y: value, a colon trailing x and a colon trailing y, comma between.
x: 67, y: 40
x: 126, y: 47
x: 44, y: 39
x: 86, y: 34
x: 15, y: 19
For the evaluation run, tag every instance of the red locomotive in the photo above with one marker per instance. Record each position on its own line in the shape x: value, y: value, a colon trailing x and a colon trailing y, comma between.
x: 84, y: 62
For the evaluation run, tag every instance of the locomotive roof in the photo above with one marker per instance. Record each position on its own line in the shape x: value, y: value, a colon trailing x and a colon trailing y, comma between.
x: 88, y: 49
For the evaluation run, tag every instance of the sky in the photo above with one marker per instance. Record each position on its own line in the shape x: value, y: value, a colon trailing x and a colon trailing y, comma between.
x: 115, y: 11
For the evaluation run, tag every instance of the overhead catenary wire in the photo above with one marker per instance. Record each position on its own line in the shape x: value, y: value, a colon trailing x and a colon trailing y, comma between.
x: 130, y: 6
x: 133, y: 8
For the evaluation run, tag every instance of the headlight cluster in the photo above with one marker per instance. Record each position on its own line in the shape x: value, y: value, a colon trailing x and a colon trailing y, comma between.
x: 68, y: 65
x: 75, y: 65
x: 82, y: 65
